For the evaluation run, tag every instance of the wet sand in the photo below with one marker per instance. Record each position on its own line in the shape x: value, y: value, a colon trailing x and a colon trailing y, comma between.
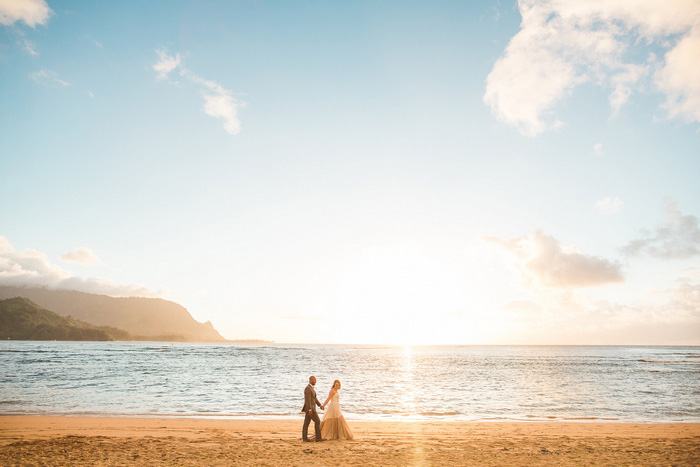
x: 93, y: 441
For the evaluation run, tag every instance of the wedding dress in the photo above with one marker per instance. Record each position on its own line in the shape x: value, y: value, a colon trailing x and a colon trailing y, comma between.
x: 333, y: 425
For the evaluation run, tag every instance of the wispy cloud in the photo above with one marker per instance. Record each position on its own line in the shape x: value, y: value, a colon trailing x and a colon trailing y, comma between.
x: 219, y: 102
x: 80, y: 255
x: 678, y: 237
x: 623, y: 83
x: 610, y: 205
x: 31, y: 268
x: 28, y: 46
x: 542, y: 261
x: 564, y: 43
x: 46, y: 77
x: 31, y: 12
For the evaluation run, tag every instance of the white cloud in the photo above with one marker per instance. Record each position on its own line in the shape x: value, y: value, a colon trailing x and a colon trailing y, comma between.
x: 80, y: 255
x: 31, y: 268
x: 223, y: 105
x: 218, y: 101
x: 166, y: 64
x: 542, y: 261
x: 563, y: 43
x: 598, y: 149
x: 679, y: 237
x: 31, y: 12
x: 610, y: 205
x: 526, y: 84
x: 679, y: 79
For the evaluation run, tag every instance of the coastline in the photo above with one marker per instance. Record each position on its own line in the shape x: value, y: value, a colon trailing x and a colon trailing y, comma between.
x: 63, y: 440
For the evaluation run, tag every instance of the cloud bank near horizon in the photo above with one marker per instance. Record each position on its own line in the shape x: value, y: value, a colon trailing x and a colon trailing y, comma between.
x: 32, y: 268
x: 613, y: 44
x: 670, y: 316
x: 553, y: 276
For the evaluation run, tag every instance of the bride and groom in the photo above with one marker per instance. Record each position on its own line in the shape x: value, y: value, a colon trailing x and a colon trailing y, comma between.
x: 333, y: 425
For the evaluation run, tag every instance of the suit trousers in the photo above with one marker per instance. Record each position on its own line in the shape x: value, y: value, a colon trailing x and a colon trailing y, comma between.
x: 317, y: 425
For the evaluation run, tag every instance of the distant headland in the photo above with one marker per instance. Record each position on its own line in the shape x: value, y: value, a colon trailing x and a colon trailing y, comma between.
x: 37, y: 313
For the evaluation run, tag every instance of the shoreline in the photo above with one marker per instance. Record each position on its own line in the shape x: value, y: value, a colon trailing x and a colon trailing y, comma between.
x: 263, y: 418
x: 81, y: 440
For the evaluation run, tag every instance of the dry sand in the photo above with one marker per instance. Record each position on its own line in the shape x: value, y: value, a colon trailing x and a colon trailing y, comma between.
x: 76, y: 441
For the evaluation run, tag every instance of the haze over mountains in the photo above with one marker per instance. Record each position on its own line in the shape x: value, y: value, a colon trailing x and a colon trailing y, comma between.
x: 22, y: 319
x: 144, y: 318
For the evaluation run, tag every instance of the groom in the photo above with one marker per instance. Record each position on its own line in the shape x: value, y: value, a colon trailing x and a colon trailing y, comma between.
x: 310, y: 403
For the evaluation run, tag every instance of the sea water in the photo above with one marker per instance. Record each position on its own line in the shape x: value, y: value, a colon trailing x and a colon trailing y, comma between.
x: 447, y: 383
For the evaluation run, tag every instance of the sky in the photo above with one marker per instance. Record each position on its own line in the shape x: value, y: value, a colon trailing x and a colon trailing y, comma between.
x: 402, y: 173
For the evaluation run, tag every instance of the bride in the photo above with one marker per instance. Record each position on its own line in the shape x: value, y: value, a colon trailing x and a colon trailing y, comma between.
x: 333, y: 425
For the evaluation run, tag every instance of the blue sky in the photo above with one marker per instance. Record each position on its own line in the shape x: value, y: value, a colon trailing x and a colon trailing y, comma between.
x: 361, y: 172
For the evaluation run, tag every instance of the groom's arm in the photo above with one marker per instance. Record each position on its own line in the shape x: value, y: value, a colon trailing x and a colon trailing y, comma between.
x: 308, y: 399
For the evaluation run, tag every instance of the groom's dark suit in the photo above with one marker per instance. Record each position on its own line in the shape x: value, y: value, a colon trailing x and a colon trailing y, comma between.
x: 310, y: 403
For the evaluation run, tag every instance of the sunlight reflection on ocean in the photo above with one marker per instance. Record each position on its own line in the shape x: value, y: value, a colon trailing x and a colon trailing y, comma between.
x: 451, y: 383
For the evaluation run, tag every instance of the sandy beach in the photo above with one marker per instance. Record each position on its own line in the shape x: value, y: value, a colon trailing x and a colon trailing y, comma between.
x: 55, y: 440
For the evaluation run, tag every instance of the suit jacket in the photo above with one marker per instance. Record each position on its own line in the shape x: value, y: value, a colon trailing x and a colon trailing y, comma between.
x: 310, y: 400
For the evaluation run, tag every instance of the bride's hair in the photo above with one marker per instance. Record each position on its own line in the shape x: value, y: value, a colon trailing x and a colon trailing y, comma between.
x: 336, y: 381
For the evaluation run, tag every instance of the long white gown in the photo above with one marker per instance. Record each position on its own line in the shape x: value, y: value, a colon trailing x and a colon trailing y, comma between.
x: 333, y: 425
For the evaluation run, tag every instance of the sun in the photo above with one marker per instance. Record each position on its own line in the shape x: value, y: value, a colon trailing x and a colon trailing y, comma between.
x: 401, y: 295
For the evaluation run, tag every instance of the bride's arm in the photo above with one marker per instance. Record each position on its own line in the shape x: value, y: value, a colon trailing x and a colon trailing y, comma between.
x: 330, y: 394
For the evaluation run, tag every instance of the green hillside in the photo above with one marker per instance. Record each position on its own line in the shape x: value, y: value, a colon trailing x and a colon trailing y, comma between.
x: 22, y: 319
x: 143, y: 318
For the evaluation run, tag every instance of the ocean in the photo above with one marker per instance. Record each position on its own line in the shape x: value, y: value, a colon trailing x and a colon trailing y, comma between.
x: 442, y: 383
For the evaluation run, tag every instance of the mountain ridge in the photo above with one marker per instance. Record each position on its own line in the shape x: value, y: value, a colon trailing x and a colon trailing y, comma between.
x: 143, y: 318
